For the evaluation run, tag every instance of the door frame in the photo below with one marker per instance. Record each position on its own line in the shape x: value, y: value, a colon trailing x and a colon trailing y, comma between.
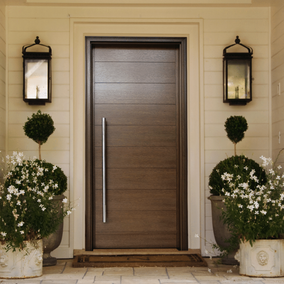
x: 182, y: 216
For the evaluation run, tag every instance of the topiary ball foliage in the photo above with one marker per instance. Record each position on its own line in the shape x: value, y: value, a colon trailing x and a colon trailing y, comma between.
x: 39, y: 127
x: 239, y: 166
x: 235, y: 127
x: 55, y: 173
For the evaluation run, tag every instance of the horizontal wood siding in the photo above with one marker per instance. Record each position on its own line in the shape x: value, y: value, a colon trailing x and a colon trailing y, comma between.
x: 220, y: 32
x: 2, y: 80
x: 277, y: 78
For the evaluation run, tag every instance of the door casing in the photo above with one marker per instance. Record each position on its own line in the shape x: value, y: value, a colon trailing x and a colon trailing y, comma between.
x: 90, y: 42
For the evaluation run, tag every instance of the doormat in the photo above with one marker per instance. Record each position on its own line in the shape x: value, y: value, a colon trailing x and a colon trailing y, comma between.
x: 163, y: 260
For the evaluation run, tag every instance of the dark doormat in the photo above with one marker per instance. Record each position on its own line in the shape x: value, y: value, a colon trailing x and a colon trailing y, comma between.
x: 163, y: 260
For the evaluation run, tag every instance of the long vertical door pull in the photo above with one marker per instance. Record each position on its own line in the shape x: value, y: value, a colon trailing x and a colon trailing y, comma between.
x: 104, y: 166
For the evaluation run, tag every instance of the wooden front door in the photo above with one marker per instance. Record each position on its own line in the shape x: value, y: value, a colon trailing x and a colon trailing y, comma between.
x: 136, y: 88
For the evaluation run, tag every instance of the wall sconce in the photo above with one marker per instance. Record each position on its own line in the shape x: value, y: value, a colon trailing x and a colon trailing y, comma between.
x: 237, y: 75
x: 37, y: 75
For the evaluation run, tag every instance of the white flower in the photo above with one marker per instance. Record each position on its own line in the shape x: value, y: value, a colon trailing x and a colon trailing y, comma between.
x: 9, y: 196
x: 3, y: 234
x: 263, y: 212
x: 22, y: 232
x: 69, y: 212
x: 21, y: 224
x: 43, y: 208
x: 65, y: 200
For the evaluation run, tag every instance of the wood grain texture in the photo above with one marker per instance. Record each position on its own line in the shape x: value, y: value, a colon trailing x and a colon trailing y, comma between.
x: 136, y: 240
x: 137, y: 157
x: 135, y: 222
x: 139, y: 136
x: 133, y: 93
x: 138, y: 200
x: 135, y: 89
x: 135, y: 114
x: 134, y: 72
x: 137, y: 178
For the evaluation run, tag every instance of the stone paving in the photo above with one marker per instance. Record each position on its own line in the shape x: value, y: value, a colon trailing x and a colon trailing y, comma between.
x: 64, y: 273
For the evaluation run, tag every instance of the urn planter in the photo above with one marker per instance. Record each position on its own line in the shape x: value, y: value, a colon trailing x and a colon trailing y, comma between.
x: 26, y: 263
x: 265, y: 258
x: 220, y: 229
x: 53, y: 241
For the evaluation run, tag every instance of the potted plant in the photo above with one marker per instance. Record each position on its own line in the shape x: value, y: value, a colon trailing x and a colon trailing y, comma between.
x: 255, y: 217
x: 239, y: 165
x: 27, y: 215
x: 39, y: 127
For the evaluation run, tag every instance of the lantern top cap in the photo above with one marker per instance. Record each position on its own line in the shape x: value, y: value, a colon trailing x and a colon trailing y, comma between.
x: 238, y: 41
x: 37, y: 42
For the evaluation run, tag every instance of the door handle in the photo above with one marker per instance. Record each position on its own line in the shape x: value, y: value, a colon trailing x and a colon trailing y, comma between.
x: 104, y: 167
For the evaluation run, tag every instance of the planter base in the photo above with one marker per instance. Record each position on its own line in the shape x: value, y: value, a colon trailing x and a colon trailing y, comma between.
x: 21, y: 264
x: 264, y: 259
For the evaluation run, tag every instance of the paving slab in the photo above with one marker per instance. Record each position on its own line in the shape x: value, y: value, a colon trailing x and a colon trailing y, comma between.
x: 150, y: 271
x: 119, y: 271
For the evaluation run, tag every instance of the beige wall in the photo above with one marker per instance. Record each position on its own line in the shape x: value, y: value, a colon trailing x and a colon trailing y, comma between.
x: 2, y: 76
x: 217, y: 28
x: 277, y: 77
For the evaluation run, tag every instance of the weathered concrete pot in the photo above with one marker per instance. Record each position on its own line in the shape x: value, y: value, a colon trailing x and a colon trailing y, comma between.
x: 53, y: 241
x: 264, y: 259
x: 26, y: 263
x: 221, y: 231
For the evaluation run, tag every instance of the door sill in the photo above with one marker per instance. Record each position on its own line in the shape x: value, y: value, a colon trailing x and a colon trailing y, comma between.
x: 134, y: 251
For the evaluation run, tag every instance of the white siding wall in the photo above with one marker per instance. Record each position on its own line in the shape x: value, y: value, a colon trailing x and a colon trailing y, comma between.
x: 24, y: 25
x: 221, y: 25
x: 2, y: 76
x: 277, y: 77
x: 220, y: 30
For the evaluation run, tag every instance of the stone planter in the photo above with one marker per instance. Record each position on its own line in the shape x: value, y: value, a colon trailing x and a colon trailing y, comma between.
x: 221, y: 231
x: 26, y: 263
x: 53, y: 241
x: 264, y: 259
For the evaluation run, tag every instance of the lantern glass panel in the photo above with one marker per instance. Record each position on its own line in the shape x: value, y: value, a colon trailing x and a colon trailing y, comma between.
x: 36, y: 78
x: 238, y: 79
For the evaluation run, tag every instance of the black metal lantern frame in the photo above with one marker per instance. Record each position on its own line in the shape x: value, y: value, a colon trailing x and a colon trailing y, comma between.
x: 37, y: 75
x: 237, y: 75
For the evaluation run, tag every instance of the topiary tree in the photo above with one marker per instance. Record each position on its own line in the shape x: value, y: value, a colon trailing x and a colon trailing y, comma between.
x: 39, y: 127
x: 235, y: 127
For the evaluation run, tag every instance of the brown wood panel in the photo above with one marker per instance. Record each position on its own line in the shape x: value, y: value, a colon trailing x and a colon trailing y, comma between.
x: 131, y: 179
x: 133, y: 222
x: 132, y: 200
x: 126, y: 53
x: 136, y: 240
x: 140, y: 136
x: 135, y: 93
x: 136, y: 87
x: 137, y: 157
x: 135, y: 72
x: 135, y: 114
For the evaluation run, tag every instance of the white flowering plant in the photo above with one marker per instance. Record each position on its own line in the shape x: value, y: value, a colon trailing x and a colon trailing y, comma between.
x: 27, y: 212
x: 255, y: 212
